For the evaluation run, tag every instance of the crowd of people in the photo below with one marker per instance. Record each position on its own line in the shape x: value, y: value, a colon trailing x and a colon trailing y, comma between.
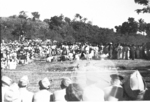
x: 26, y: 51
x: 133, y: 88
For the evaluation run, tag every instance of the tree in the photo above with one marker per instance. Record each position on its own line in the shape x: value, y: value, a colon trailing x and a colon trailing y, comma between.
x: 36, y: 16
x: 78, y: 16
x: 68, y: 20
x: 84, y: 20
x: 118, y: 29
x: 141, y: 25
x: 148, y: 30
x: 146, y: 3
x: 89, y: 22
x: 46, y: 21
x: 56, y: 22
x: 22, y: 15
x: 133, y: 25
x: 128, y: 27
x: 13, y: 16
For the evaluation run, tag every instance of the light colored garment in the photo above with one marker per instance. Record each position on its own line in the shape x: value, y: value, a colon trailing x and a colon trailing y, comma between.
x: 12, y: 94
x: 93, y: 94
x: 59, y: 96
x: 4, y: 90
x: 113, y: 93
x: 26, y: 96
x: 42, y: 96
x: 12, y: 65
x: 135, y: 86
x: 136, y: 81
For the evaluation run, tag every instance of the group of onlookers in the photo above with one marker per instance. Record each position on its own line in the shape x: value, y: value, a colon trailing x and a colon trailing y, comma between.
x: 15, y: 52
x: 133, y: 88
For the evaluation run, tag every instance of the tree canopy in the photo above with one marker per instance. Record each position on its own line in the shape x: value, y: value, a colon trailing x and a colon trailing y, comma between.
x: 146, y: 8
x: 79, y: 29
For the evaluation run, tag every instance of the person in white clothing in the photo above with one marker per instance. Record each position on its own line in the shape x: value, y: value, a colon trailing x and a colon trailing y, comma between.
x: 6, y: 82
x: 44, y: 95
x: 59, y: 95
x: 114, y: 92
x: 12, y: 64
x: 12, y: 94
x: 26, y: 96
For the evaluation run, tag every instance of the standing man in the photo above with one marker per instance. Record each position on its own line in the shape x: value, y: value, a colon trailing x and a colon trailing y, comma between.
x: 110, y: 51
x: 133, y: 49
x: 119, y: 52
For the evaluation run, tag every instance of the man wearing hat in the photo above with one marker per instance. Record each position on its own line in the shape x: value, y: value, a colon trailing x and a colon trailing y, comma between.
x: 115, y: 91
x: 135, y: 87
x: 12, y: 94
x: 6, y: 82
x: 44, y: 94
x: 74, y: 93
x: 26, y: 96
x: 59, y: 95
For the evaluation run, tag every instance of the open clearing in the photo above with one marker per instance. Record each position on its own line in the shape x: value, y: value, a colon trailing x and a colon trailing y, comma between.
x: 54, y: 71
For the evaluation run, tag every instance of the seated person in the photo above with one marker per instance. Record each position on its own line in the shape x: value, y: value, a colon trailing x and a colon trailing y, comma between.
x: 115, y: 91
x: 135, y: 87
x: 74, y: 92
x: 59, y: 95
x: 44, y: 94
x: 26, y: 96
x: 6, y: 82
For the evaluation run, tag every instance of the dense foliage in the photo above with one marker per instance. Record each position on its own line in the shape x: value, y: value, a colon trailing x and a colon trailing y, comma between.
x: 146, y: 8
x: 62, y: 28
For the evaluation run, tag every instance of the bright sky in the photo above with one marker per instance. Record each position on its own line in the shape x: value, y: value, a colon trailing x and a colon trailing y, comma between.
x: 104, y: 13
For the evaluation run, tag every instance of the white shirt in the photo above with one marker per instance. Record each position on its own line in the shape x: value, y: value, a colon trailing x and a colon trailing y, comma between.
x: 42, y: 96
x: 59, y: 96
x: 4, y: 90
x: 93, y: 94
x: 26, y: 96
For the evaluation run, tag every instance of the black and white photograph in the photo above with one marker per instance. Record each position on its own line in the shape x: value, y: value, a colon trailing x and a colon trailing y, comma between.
x: 75, y: 50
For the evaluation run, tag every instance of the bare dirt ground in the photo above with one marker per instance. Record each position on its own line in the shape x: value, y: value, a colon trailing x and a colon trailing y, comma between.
x: 54, y: 71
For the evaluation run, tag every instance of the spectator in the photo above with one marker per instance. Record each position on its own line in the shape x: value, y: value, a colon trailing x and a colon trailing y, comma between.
x: 147, y: 95
x: 119, y: 51
x: 115, y: 91
x: 43, y: 95
x: 12, y: 94
x: 93, y: 93
x: 26, y: 96
x: 133, y: 49
x: 6, y: 82
x: 74, y: 92
x: 135, y: 87
x: 59, y: 96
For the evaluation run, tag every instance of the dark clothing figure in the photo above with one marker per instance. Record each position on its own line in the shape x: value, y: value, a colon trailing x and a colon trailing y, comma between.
x: 111, y: 51
x: 133, y: 49
x: 137, y: 52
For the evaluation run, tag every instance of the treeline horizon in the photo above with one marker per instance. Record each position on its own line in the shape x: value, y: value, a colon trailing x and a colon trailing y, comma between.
x: 79, y: 29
